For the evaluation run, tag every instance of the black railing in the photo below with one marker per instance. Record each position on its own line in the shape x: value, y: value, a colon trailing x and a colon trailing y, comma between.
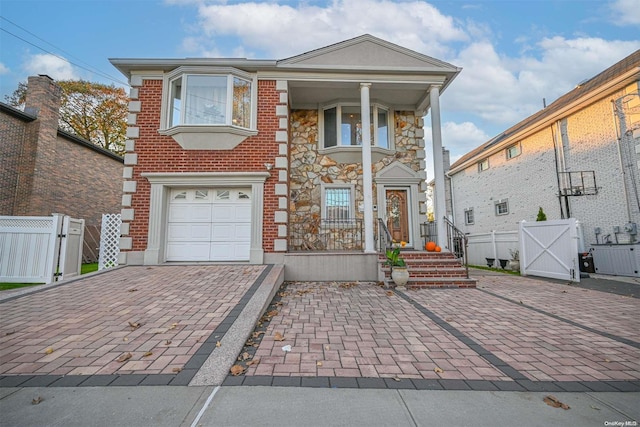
x: 457, y: 243
x: 326, y: 235
x: 384, y: 237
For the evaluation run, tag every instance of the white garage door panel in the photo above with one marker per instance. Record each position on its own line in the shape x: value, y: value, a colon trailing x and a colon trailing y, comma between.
x: 243, y: 232
x: 209, y: 225
x: 182, y: 232
x: 188, y: 251
x: 190, y: 213
x: 243, y: 213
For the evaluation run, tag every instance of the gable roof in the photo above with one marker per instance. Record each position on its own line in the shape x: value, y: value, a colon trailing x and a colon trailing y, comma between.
x: 367, y: 52
x: 590, y: 91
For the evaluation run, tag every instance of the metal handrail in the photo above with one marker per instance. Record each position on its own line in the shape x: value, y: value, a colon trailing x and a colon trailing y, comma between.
x: 384, y: 237
x: 457, y: 243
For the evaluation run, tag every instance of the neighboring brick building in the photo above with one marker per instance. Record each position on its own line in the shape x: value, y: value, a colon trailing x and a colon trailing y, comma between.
x: 579, y: 157
x: 46, y: 170
x: 256, y: 160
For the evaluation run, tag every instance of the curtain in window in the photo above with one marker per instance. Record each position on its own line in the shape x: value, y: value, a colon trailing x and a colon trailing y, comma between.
x: 206, y: 100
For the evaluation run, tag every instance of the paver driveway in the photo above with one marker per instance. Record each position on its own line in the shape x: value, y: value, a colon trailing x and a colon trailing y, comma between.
x: 510, y: 333
x: 160, y: 316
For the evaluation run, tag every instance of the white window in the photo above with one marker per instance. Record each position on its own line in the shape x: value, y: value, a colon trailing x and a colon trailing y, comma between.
x: 483, y: 165
x: 208, y: 99
x: 502, y: 207
x: 337, y: 203
x: 342, y: 126
x: 468, y: 216
x: 513, y: 151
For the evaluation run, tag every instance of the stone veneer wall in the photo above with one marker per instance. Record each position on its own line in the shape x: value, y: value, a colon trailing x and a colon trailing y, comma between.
x: 310, y: 168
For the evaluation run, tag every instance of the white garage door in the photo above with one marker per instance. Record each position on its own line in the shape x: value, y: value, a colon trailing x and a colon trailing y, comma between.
x: 209, y: 225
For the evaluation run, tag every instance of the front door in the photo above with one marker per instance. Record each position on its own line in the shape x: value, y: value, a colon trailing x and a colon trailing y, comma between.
x: 398, y: 215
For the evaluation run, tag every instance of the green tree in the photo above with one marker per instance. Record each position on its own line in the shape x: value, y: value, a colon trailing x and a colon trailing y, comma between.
x: 93, y: 111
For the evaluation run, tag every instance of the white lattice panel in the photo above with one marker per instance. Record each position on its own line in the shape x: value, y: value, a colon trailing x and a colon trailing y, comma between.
x: 109, y: 241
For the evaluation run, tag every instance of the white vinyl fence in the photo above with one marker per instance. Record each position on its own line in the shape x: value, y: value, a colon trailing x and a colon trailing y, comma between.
x: 40, y: 249
x: 109, y: 241
x: 495, y: 245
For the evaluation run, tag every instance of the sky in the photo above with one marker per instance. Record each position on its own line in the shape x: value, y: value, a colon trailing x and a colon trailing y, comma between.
x: 513, y: 53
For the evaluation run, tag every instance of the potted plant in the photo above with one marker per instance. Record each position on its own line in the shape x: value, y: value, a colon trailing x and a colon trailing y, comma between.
x: 514, y: 263
x: 399, y: 272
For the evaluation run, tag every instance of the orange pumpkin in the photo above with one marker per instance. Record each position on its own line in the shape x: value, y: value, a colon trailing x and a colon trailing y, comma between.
x: 438, y: 249
x: 430, y: 246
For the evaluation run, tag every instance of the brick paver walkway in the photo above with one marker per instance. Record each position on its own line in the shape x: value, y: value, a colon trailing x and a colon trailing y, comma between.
x: 509, y: 329
x: 84, y: 327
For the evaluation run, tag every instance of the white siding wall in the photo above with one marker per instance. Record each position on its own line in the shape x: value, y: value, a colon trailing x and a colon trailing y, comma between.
x: 529, y: 180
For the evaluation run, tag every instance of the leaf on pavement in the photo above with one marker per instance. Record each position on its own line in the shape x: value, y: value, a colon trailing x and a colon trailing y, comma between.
x: 389, y: 293
x: 49, y: 350
x: 318, y: 363
x: 147, y: 354
x: 124, y: 357
x: 132, y: 290
x: 253, y: 362
x: 218, y: 344
x: 236, y: 370
x: 438, y: 370
x: 176, y: 370
x: 553, y: 401
x: 257, y: 334
x: 37, y: 400
x: 135, y: 325
x: 167, y: 342
x: 278, y: 337
x: 272, y: 313
x: 245, y: 356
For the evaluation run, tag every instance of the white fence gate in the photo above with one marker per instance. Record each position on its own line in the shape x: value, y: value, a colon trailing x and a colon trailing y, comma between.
x: 40, y: 249
x: 109, y: 241
x: 550, y: 249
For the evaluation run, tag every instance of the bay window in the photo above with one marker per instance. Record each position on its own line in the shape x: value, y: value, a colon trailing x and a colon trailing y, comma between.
x: 209, y: 108
x: 342, y: 126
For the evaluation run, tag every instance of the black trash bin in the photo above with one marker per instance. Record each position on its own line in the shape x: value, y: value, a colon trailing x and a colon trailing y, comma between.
x: 586, y: 262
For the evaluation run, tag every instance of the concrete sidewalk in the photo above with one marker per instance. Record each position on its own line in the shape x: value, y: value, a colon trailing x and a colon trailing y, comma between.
x: 296, y: 406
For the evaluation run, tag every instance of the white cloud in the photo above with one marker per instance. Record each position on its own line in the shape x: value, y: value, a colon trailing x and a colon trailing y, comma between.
x: 625, y: 12
x: 3, y: 69
x: 53, y: 66
x: 504, y: 90
x: 280, y: 30
x: 458, y: 138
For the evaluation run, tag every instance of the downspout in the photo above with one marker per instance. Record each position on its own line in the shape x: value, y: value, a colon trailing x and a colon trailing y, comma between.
x: 622, y: 168
x: 453, y: 202
x: 555, y: 156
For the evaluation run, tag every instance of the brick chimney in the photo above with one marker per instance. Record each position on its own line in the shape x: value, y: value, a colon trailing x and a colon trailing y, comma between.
x: 34, y: 192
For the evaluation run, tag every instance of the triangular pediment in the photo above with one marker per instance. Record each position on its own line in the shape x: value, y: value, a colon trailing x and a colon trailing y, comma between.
x: 397, y: 171
x: 367, y: 53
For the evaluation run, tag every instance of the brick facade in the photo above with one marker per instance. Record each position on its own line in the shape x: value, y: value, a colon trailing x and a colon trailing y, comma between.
x: 158, y: 153
x: 45, y: 170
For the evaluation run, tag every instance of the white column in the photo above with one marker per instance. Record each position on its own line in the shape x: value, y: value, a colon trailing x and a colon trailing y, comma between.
x: 367, y: 180
x: 439, y: 207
